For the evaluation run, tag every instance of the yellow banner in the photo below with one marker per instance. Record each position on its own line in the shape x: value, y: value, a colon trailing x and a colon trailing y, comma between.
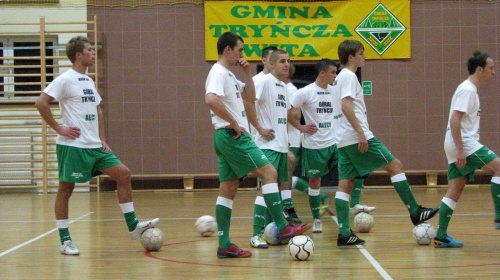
x: 311, y: 30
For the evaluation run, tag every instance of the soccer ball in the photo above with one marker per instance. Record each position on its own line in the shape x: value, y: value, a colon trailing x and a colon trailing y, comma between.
x: 301, y: 247
x: 363, y: 222
x: 424, y: 233
x: 271, y: 233
x: 152, y: 239
x: 206, y: 225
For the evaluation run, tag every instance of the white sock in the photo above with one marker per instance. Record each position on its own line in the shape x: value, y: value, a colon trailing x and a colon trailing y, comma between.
x: 127, y: 207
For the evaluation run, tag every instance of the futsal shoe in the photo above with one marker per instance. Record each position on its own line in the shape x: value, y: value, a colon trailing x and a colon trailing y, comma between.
x: 497, y: 224
x: 68, y: 248
x: 360, y: 207
x: 447, y: 242
x: 291, y: 231
x: 142, y: 226
x: 258, y: 241
x: 233, y: 252
x: 291, y: 216
x: 351, y: 239
x: 325, y: 201
x: 317, y: 226
x: 423, y: 214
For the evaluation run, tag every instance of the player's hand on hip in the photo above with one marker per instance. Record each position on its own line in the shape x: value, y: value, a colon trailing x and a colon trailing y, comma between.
x: 267, y: 133
x: 105, y: 147
x: 362, y: 143
x: 310, y: 128
x: 71, y: 132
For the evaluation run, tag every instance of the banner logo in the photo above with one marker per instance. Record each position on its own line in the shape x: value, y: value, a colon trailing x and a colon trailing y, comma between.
x: 380, y: 29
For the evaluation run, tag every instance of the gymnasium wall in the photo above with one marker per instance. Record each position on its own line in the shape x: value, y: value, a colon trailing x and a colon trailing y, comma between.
x: 153, y: 74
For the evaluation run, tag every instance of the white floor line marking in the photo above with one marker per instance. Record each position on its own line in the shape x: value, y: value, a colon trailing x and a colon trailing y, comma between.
x: 40, y: 236
x: 369, y: 257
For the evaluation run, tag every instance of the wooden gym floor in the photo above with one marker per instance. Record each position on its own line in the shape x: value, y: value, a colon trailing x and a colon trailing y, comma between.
x: 30, y: 242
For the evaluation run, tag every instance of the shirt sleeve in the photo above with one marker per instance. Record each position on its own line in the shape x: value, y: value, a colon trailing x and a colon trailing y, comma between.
x: 56, y: 88
x: 215, y: 84
x: 296, y: 99
x: 464, y: 102
x: 348, y: 87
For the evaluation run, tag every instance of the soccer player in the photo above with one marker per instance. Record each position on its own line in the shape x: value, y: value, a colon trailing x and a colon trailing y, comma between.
x: 319, y: 151
x: 82, y: 151
x: 464, y: 152
x: 236, y: 152
x: 359, y: 151
x: 272, y: 112
x: 294, y: 139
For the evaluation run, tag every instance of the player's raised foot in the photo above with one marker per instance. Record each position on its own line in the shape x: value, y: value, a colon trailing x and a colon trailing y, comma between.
x: 68, y: 248
x: 360, y: 207
x: 291, y: 216
x: 291, y: 231
x: 258, y: 241
x: 233, y: 252
x: 447, y: 242
x: 325, y: 201
x: 423, y: 214
x: 317, y: 226
x: 142, y: 226
x: 497, y: 224
x: 351, y: 239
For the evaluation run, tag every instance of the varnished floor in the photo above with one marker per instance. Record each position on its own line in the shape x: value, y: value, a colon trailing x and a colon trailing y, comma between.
x: 30, y: 243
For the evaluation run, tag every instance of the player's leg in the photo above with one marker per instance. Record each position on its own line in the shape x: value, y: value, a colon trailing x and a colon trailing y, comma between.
x: 61, y: 209
x: 494, y: 166
x: 286, y: 193
x: 346, y: 236
x: 356, y: 206
x: 121, y: 174
x: 418, y: 214
x: 314, y: 203
x: 259, y: 222
x: 446, y: 209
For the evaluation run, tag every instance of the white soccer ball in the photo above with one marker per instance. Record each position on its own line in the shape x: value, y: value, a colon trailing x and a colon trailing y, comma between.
x: 301, y: 247
x: 206, y: 225
x: 152, y: 239
x: 363, y: 222
x: 424, y: 233
x: 271, y: 234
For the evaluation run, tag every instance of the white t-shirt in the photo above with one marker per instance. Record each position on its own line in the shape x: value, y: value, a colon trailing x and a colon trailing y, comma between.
x: 225, y: 85
x: 316, y: 105
x: 272, y: 108
x: 347, y: 85
x: 293, y: 133
x: 78, y: 100
x: 256, y: 78
x: 465, y: 99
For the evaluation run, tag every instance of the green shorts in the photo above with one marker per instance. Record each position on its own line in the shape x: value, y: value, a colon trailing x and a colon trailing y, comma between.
x: 319, y: 162
x: 236, y: 157
x: 78, y: 165
x: 475, y: 161
x: 354, y: 164
x: 295, y: 151
x: 280, y: 163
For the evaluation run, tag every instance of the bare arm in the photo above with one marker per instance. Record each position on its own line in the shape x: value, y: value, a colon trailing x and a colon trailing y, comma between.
x: 43, y: 106
x: 248, y: 93
x: 456, y: 133
x: 294, y: 121
x: 348, y: 112
x: 214, y: 103
x: 102, y: 134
